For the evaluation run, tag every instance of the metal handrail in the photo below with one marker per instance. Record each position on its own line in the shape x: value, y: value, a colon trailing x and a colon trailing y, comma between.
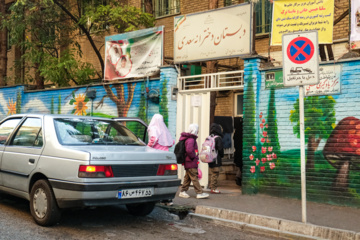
x: 212, y: 81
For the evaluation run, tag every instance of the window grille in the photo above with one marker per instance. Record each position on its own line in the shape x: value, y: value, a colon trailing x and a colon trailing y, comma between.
x: 263, y: 16
x: 166, y: 7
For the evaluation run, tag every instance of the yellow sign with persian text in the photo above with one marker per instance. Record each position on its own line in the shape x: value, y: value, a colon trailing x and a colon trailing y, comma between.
x: 291, y: 16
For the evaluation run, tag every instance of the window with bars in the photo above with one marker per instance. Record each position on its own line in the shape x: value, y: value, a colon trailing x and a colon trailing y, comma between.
x: 166, y: 7
x: 263, y: 16
x: 230, y: 2
x: 8, y: 40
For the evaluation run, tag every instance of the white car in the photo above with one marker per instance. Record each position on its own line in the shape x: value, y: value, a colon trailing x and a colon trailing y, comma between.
x: 60, y: 161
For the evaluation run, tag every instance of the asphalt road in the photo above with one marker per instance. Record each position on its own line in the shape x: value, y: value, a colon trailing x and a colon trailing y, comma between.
x: 109, y: 223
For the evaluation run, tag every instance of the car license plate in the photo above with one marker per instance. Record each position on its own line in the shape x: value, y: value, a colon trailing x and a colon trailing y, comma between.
x: 135, y: 193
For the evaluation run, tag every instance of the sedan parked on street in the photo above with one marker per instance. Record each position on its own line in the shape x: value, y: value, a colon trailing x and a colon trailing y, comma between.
x: 60, y: 161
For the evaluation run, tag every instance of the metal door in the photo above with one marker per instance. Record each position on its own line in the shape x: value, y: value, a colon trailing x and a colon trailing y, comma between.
x: 194, y: 108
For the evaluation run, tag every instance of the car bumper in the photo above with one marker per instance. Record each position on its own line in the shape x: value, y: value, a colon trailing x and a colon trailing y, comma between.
x: 71, y: 194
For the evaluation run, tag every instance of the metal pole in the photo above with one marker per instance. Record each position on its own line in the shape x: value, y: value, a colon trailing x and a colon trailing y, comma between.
x: 92, y: 104
x: 302, y: 149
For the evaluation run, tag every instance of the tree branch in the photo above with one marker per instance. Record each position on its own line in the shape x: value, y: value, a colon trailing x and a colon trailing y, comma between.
x: 82, y: 27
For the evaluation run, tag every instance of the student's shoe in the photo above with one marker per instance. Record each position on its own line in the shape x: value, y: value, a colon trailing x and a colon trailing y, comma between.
x: 166, y: 202
x: 184, y: 195
x: 202, y: 195
x: 215, y: 191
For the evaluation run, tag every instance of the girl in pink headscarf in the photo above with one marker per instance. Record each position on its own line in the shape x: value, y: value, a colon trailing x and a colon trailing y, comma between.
x: 159, y: 136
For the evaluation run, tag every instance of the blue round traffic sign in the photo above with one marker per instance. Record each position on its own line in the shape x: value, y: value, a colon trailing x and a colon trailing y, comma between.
x: 300, y: 50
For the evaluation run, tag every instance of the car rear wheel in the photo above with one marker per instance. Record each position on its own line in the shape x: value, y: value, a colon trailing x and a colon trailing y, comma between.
x: 43, y: 205
x: 140, y: 209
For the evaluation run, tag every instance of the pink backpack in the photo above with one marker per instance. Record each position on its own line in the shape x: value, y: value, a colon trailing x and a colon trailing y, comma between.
x: 208, y: 153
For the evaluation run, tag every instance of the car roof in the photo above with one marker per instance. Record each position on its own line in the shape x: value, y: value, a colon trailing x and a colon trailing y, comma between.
x: 57, y: 116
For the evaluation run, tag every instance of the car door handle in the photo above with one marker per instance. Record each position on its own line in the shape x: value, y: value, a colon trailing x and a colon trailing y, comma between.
x: 31, y: 160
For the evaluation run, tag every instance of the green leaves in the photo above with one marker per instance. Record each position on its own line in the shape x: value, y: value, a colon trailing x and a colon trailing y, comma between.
x: 319, y: 116
x: 47, y: 31
x: 66, y: 68
x: 123, y: 18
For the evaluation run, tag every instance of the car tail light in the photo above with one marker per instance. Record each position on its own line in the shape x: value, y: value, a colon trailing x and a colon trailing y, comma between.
x: 167, y: 169
x: 93, y: 171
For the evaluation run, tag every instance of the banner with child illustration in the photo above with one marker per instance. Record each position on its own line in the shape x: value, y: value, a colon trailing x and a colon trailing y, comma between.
x: 133, y: 54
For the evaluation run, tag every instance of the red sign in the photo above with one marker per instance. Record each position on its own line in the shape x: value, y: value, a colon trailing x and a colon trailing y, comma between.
x: 300, y: 50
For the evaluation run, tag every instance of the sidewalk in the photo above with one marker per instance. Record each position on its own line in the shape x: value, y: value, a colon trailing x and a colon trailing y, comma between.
x: 232, y: 201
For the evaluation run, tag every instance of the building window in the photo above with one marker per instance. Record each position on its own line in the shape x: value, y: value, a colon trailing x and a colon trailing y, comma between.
x: 230, y: 2
x: 263, y: 16
x: 8, y: 40
x: 166, y: 7
x: 239, y: 100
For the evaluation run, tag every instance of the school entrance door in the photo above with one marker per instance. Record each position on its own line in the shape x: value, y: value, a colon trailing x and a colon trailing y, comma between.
x: 193, y: 106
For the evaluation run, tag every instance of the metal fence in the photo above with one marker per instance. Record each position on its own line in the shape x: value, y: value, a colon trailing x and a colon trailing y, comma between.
x: 212, y: 82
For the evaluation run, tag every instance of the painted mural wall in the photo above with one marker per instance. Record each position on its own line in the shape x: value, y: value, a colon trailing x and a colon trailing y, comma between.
x: 271, y: 150
x: 117, y: 100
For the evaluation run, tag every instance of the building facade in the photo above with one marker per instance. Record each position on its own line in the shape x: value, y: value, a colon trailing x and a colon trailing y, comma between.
x: 270, y: 147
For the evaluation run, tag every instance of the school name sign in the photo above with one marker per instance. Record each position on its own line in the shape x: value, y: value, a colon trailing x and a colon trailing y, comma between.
x: 303, y: 16
x: 216, y: 34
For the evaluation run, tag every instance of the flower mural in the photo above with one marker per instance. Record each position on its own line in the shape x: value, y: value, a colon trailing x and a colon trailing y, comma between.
x: 80, y: 102
x: 11, y: 107
x: 266, y: 154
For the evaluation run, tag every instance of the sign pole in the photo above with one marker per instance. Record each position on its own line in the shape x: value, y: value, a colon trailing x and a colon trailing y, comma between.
x: 301, y: 67
x: 302, y: 149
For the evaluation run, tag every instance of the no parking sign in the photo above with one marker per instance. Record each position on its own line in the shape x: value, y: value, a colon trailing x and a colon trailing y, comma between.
x: 300, y: 58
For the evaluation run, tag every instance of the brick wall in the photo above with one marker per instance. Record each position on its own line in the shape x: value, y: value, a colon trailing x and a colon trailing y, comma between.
x: 271, y: 150
x: 189, y: 6
x: 225, y: 104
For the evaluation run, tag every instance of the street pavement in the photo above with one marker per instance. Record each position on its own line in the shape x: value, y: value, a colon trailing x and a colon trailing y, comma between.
x: 283, y: 214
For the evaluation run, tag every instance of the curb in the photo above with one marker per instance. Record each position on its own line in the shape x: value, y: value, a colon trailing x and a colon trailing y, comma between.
x: 253, y: 228
x: 270, y: 225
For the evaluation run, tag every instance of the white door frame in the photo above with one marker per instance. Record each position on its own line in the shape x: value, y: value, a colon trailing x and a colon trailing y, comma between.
x: 194, y: 108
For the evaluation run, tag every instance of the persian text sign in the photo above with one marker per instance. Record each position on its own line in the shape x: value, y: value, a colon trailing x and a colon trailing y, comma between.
x: 329, y: 84
x: 221, y: 33
x: 355, y: 24
x: 303, y: 15
x: 274, y: 79
x: 133, y: 54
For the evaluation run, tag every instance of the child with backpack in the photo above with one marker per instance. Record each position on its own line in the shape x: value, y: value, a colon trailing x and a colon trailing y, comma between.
x: 214, y: 167
x: 191, y: 163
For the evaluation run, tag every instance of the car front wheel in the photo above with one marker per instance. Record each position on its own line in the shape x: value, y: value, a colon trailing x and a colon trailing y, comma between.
x: 43, y: 205
x: 140, y: 209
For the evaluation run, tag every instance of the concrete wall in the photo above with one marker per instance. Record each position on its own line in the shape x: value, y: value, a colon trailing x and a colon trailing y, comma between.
x: 271, y: 150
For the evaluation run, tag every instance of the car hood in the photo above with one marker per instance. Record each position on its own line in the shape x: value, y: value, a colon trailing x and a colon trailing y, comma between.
x: 124, y: 153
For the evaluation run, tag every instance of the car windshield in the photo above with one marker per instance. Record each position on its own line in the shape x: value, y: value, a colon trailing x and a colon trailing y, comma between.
x: 86, y: 131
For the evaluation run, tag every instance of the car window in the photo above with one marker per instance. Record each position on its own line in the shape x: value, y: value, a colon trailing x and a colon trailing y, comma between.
x: 6, y: 129
x: 137, y: 128
x: 28, y: 135
x: 81, y: 131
